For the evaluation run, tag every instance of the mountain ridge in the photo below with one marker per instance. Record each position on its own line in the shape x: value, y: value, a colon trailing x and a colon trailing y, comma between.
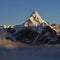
x: 35, y: 30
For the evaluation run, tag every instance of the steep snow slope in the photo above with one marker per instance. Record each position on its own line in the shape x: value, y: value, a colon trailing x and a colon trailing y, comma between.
x: 35, y: 20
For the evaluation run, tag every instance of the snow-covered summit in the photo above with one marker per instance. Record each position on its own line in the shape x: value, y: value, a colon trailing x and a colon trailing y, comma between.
x: 35, y: 20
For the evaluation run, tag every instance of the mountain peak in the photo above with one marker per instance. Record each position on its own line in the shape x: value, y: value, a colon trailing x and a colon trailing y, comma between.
x: 34, y: 20
x: 35, y: 13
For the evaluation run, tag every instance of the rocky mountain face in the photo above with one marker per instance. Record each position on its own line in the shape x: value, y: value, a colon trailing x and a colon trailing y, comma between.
x: 35, y: 31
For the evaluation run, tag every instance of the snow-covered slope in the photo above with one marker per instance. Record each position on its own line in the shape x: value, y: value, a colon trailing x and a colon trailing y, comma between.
x: 56, y: 28
x: 36, y: 23
x: 35, y: 20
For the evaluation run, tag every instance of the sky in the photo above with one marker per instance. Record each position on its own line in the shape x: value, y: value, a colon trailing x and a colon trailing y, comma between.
x: 15, y: 12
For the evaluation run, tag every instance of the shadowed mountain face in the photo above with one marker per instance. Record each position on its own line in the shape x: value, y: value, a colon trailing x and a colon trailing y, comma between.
x: 34, y: 31
x: 47, y: 35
